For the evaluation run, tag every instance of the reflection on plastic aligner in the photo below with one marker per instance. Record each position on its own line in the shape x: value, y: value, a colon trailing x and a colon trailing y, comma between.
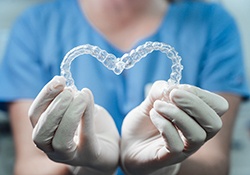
x: 127, y: 61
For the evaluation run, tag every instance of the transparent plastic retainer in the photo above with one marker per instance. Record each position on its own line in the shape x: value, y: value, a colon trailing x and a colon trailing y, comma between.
x: 127, y: 61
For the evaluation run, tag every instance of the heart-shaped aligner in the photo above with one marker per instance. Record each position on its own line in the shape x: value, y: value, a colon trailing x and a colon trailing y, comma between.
x: 127, y: 61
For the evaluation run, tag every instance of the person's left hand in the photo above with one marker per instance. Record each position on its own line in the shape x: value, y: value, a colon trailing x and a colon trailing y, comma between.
x: 157, y: 135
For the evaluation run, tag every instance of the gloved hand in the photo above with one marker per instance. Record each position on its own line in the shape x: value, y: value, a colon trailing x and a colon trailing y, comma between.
x: 71, y: 129
x: 157, y: 135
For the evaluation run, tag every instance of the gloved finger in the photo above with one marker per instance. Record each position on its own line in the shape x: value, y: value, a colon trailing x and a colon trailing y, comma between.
x: 168, y: 131
x: 159, y: 90
x: 44, y: 98
x: 63, y: 141
x: 194, y: 106
x: 194, y: 134
x: 87, y: 124
x: 105, y: 129
x: 47, y: 124
x: 215, y: 101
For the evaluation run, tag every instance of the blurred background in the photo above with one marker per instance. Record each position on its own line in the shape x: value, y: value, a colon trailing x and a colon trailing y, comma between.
x: 240, y: 9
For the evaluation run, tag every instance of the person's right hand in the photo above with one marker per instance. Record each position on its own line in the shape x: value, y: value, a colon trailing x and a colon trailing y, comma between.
x: 71, y: 129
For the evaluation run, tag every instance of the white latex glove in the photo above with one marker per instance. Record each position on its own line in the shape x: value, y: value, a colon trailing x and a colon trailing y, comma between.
x: 157, y: 135
x: 70, y: 129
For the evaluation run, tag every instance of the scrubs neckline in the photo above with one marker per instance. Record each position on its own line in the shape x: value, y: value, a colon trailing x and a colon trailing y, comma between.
x: 150, y: 37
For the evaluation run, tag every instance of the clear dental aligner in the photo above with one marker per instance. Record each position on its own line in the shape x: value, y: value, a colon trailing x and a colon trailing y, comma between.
x: 127, y: 61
